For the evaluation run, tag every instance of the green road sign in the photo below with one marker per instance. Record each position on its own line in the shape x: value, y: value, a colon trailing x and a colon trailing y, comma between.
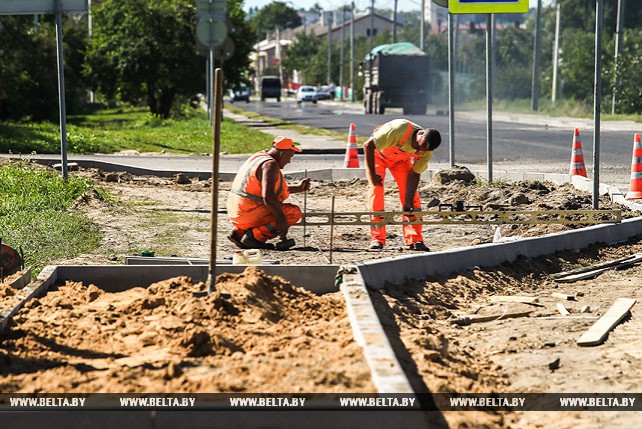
x: 488, y: 6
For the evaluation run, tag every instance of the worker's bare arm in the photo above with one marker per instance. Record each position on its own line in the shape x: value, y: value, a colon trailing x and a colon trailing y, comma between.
x: 369, y: 154
x: 411, y: 188
x: 303, y: 186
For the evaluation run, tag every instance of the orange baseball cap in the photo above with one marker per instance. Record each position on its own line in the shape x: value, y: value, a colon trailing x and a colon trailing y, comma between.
x: 285, y: 143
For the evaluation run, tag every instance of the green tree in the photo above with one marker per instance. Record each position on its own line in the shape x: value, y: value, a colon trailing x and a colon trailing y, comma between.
x: 237, y: 68
x: 144, y: 49
x: 28, y: 83
x: 275, y: 15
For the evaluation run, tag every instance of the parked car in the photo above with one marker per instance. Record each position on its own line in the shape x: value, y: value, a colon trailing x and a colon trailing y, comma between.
x: 323, y: 93
x: 306, y: 93
x: 240, y: 93
x: 271, y: 88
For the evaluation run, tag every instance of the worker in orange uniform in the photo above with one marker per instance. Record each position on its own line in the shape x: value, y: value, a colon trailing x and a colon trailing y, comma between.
x: 255, y: 201
x: 404, y: 148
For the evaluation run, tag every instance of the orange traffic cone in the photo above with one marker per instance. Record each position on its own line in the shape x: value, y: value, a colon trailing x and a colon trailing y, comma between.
x: 352, y: 154
x: 635, y: 191
x: 577, y: 158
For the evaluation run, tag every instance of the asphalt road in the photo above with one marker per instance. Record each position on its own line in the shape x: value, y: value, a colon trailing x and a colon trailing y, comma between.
x: 521, y: 141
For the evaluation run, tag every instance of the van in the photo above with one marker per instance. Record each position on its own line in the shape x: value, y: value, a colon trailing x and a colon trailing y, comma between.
x: 270, y: 88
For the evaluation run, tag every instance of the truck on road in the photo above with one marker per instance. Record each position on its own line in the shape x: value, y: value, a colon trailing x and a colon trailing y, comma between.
x: 396, y: 75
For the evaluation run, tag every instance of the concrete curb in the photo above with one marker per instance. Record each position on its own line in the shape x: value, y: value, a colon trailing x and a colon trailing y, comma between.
x: 387, y: 374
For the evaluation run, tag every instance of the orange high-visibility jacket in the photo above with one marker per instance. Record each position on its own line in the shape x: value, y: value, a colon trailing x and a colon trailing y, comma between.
x: 246, y: 193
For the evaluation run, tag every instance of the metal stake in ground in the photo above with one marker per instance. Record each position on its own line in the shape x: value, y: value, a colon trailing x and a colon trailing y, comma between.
x: 305, y: 209
x: 216, y: 150
x: 332, y: 229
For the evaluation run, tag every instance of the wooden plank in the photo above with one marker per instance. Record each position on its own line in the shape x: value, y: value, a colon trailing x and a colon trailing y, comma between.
x: 515, y: 298
x: 600, y: 329
x: 563, y: 296
x: 467, y: 319
x: 589, y: 272
x: 563, y: 311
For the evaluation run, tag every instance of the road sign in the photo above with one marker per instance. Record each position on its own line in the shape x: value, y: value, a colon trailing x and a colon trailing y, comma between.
x: 211, y: 7
x: 211, y: 30
x: 442, y: 3
x: 32, y: 7
x: 488, y: 6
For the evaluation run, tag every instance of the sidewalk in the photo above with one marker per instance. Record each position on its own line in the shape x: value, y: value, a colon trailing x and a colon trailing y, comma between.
x: 311, y: 144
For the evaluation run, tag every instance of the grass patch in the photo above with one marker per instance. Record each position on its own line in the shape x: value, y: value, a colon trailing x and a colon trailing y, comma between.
x: 34, y: 214
x: 112, y: 130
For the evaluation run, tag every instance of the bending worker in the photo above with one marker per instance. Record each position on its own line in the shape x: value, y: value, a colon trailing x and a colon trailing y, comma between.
x: 255, y: 202
x: 392, y: 146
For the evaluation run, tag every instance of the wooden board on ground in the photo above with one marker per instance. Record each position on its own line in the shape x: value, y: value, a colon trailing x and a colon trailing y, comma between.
x: 474, y: 318
x: 592, y: 271
x: 565, y: 296
x: 515, y: 298
x: 563, y: 311
x: 600, y: 329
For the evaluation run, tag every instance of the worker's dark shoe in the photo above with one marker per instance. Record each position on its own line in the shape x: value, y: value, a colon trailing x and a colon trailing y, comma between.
x: 375, y: 245
x: 419, y: 247
x: 237, y: 241
x: 250, y: 242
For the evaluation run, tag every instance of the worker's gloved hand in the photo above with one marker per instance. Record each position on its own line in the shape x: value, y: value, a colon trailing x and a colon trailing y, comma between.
x: 408, y: 208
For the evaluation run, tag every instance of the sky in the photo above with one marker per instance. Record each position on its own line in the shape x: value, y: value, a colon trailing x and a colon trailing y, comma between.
x: 402, y: 5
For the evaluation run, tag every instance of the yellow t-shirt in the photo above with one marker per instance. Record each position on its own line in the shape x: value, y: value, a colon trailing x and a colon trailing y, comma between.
x: 391, y: 133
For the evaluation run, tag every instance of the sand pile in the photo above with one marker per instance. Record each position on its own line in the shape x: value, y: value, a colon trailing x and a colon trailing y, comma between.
x: 257, y: 333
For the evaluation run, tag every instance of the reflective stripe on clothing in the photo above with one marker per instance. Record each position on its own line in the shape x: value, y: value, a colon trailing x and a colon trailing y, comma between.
x: 246, y: 193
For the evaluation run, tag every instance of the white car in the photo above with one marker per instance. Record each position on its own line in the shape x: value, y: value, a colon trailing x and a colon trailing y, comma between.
x: 306, y: 93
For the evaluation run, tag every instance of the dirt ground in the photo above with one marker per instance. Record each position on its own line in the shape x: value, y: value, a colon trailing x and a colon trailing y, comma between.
x: 513, y: 355
x: 510, y: 355
x: 160, y: 215
x: 263, y: 335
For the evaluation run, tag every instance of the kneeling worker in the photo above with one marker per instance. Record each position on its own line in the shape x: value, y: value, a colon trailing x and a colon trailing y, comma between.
x: 255, y: 202
x: 392, y: 146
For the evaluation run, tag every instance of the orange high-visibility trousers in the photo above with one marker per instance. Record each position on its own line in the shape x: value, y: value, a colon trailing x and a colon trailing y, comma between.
x: 262, y: 221
x: 399, y: 164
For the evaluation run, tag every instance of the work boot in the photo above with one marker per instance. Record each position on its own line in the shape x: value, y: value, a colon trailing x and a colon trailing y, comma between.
x: 250, y: 242
x: 419, y: 247
x: 237, y: 241
x: 375, y: 245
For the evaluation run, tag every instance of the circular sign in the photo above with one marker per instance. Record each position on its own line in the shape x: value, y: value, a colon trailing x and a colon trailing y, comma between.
x: 211, y: 30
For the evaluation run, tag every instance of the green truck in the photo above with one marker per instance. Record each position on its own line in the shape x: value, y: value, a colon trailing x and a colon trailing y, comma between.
x: 396, y: 75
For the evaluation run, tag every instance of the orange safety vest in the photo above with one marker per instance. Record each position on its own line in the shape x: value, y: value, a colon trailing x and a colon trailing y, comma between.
x: 246, y: 192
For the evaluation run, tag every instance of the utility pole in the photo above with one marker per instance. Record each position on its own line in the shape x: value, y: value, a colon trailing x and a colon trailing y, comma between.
x: 394, y: 24
x: 343, y: 35
x: 352, y: 53
x: 556, y: 50
x: 535, y: 88
x: 422, y: 23
x: 618, y: 50
x: 371, y: 22
x: 329, y: 15
x: 89, y: 34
